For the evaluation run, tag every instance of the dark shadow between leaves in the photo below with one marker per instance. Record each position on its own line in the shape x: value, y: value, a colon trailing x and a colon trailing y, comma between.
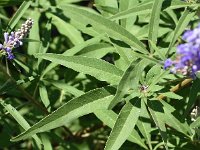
x: 155, y: 105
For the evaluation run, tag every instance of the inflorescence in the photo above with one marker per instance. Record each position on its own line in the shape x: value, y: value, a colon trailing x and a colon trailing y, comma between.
x: 187, y: 61
x: 14, y: 39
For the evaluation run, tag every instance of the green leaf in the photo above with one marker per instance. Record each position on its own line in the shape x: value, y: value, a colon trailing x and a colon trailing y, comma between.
x: 20, y: 120
x: 130, y: 79
x: 180, y: 27
x: 24, y: 6
x: 97, y: 68
x: 124, y: 125
x: 67, y: 88
x: 125, y: 5
x: 152, y: 73
x: 175, y: 4
x: 196, y: 123
x: 66, y: 29
x: 109, y: 117
x: 154, y: 22
x: 144, y: 124
x: 10, y: 2
x: 155, y: 108
x: 172, y: 95
x: 106, y: 7
x: 73, y: 51
x: 175, y: 120
x: 44, y: 96
x: 158, y: 52
x: 138, y: 10
x: 96, y: 50
x: 33, y: 47
x: 194, y: 92
x: 104, y: 25
x: 77, y: 107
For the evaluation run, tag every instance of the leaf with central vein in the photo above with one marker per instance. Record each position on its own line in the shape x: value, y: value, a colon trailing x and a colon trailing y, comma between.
x: 138, y: 10
x: 102, y: 24
x: 154, y: 21
x: 124, y: 125
x: 144, y: 123
x: 180, y: 27
x: 109, y: 117
x: 130, y: 79
x: 74, y: 50
x: 75, y: 108
x: 18, y: 14
x: 97, y: 68
x: 19, y: 118
x: 156, y: 110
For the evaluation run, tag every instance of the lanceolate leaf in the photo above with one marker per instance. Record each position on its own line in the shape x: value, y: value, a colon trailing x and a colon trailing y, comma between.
x: 104, y: 25
x: 77, y: 107
x: 180, y: 27
x: 66, y: 29
x: 24, y: 6
x: 73, y: 51
x: 156, y: 110
x: 67, y: 88
x: 100, y: 69
x: 124, y: 125
x: 109, y: 118
x: 196, y: 123
x: 144, y: 123
x: 154, y: 21
x: 194, y: 92
x: 140, y: 9
x: 20, y: 120
x: 177, y: 122
x: 130, y: 79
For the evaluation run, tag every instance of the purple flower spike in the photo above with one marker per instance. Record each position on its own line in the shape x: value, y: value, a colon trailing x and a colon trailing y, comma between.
x: 6, y: 38
x: 9, y: 53
x: 168, y: 63
x: 14, y: 39
x: 187, y: 61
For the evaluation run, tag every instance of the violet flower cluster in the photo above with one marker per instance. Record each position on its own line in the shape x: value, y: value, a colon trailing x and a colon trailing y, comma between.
x: 187, y: 61
x: 14, y: 39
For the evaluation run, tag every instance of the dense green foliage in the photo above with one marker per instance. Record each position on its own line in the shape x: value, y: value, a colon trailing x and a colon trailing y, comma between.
x: 90, y: 76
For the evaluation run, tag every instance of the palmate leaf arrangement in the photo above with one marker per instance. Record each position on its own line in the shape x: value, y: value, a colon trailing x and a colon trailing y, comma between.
x: 147, y: 92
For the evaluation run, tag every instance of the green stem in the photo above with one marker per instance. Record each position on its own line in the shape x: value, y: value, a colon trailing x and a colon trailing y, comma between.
x: 21, y: 89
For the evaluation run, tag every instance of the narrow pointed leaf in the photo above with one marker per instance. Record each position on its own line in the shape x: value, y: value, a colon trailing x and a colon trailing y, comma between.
x: 109, y: 118
x: 20, y: 120
x: 24, y: 6
x: 130, y: 79
x: 154, y: 21
x: 97, y: 68
x: 75, y: 108
x: 138, y: 10
x: 124, y: 125
x: 144, y: 124
x: 180, y: 27
x: 74, y: 50
x: 104, y: 25
x: 156, y: 110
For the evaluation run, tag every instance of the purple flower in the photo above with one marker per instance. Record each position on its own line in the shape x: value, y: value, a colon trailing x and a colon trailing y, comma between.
x: 187, y: 61
x: 168, y: 63
x: 14, y: 39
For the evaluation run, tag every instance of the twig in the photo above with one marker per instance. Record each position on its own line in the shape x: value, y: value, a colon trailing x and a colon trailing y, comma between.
x: 177, y: 87
x: 26, y: 94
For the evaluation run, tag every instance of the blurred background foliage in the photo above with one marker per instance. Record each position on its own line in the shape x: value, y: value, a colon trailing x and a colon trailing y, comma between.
x: 93, y: 31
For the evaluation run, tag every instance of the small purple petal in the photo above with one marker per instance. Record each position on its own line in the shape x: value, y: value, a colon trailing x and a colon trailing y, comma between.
x: 6, y: 37
x: 168, y: 63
